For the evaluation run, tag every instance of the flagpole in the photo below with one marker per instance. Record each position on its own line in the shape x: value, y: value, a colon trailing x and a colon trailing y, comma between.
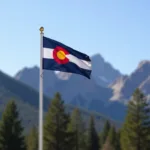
x: 41, y: 92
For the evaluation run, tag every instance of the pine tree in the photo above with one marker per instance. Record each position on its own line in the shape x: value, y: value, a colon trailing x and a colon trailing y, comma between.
x: 112, y: 136
x: 118, y: 145
x: 32, y: 139
x: 76, y: 126
x: 92, y: 137
x: 135, y: 131
x: 113, y: 140
x: 11, y: 131
x: 107, y: 145
x: 104, y: 134
x: 56, y: 136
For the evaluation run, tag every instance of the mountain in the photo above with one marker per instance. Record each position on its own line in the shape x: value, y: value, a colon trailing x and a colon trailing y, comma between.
x: 103, y: 72
x: 90, y: 94
x: 102, y: 75
x: 27, y: 100
x: 125, y: 85
x: 93, y: 94
x: 76, y: 89
x: 30, y: 76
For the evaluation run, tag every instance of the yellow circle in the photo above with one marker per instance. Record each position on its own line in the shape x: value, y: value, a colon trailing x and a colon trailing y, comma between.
x: 61, y: 55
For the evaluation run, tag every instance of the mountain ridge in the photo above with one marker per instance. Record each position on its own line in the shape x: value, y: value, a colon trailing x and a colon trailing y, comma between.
x: 123, y: 87
x: 89, y: 94
x: 106, y: 71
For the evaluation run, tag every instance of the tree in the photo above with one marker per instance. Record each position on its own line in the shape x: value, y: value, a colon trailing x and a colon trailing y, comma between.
x: 32, y: 139
x: 104, y: 134
x: 76, y: 126
x: 107, y: 145
x: 56, y: 136
x: 135, y: 131
x: 112, y: 137
x: 113, y: 140
x: 92, y: 137
x: 118, y: 145
x: 11, y: 131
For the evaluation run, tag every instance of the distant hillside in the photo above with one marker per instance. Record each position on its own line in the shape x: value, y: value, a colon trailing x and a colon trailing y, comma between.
x: 25, y: 97
x: 27, y: 100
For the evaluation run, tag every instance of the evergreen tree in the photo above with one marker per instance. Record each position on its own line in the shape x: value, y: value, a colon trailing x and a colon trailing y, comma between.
x: 112, y: 136
x: 11, y: 131
x: 104, y: 134
x: 32, y: 139
x: 135, y: 131
x: 118, y: 145
x: 107, y: 145
x: 92, y: 137
x: 56, y: 136
x: 76, y: 126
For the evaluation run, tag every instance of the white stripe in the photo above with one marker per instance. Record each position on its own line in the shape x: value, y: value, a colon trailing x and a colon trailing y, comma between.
x: 79, y: 62
x: 48, y: 53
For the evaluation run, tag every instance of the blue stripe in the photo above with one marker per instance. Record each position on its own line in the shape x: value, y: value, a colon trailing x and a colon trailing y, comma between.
x: 50, y: 43
x: 50, y: 64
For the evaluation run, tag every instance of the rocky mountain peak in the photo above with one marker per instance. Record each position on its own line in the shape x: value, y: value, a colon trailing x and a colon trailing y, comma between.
x: 139, y: 78
x: 143, y: 64
x: 103, y: 72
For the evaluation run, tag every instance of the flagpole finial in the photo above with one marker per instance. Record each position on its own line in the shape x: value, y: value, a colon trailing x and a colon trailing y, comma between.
x: 41, y: 29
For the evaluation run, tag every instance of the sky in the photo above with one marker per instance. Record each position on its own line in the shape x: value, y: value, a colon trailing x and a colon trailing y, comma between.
x: 119, y: 30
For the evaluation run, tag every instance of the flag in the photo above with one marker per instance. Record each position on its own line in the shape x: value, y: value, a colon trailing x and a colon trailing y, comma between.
x: 59, y: 57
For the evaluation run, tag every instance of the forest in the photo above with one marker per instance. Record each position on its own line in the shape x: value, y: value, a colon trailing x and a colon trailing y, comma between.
x: 65, y: 131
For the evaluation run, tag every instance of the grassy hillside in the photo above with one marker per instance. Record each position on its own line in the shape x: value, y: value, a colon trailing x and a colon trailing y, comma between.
x: 27, y: 100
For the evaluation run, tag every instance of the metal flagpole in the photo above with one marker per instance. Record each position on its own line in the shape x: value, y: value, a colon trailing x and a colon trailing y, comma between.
x: 41, y: 92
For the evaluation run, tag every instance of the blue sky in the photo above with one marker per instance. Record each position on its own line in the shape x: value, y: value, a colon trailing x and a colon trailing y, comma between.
x: 117, y: 29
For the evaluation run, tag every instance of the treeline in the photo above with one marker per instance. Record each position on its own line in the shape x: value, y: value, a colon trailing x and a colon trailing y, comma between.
x: 63, y: 131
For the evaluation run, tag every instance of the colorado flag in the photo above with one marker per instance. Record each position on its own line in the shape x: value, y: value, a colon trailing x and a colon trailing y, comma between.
x: 59, y: 57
